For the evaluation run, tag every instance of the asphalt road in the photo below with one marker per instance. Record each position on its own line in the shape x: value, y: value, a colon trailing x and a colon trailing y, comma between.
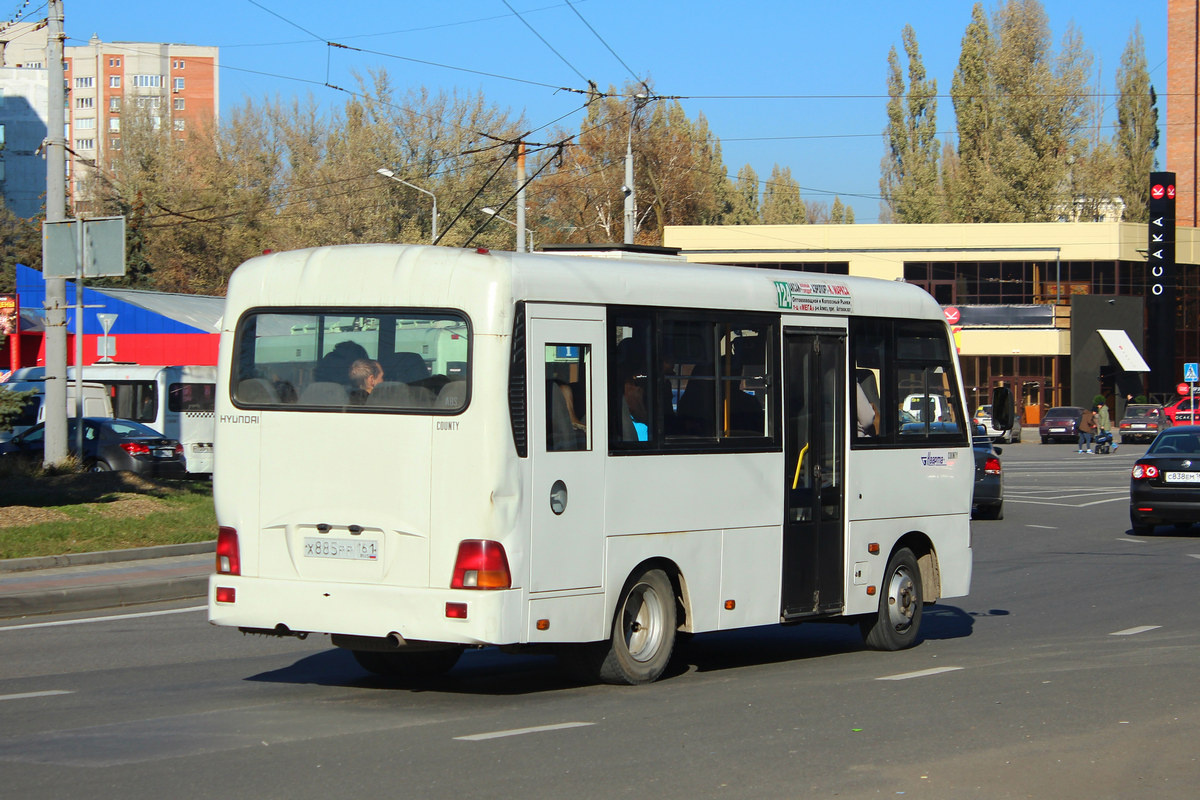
x: 1072, y: 670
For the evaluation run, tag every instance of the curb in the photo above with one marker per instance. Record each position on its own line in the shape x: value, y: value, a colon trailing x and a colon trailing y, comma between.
x: 92, y: 598
x: 107, y: 557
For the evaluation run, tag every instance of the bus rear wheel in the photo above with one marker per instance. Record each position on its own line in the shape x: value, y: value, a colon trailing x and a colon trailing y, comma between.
x: 642, y: 639
x: 896, y: 624
x: 421, y: 664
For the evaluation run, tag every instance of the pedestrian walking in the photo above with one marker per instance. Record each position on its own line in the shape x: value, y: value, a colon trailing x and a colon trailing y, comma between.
x: 1087, y: 430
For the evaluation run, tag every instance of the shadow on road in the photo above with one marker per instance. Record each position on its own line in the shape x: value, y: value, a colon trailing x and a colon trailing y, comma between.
x: 491, y: 672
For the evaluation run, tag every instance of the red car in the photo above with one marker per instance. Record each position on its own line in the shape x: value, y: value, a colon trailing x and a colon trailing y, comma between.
x: 1182, y: 411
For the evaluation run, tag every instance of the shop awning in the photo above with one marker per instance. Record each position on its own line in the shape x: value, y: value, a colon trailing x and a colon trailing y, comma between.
x: 1123, y: 349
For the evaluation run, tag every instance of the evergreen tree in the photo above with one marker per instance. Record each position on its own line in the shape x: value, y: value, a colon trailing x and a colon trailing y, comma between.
x: 782, y: 204
x: 909, y: 181
x: 1137, y: 130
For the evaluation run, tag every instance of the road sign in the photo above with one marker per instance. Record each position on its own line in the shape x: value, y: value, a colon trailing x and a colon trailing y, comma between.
x: 1171, y: 192
x: 953, y: 315
x: 103, y: 242
x: 1182, y: 389
x: 1191, y: 372
x: 1156, y: 191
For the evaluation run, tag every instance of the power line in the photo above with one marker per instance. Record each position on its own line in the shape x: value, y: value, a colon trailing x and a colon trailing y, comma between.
x: 632, y: 74
x: 543, y: 40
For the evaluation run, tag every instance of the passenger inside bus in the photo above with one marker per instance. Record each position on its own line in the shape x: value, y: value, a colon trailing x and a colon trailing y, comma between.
x: 365, y: 375
x: 635, y: 419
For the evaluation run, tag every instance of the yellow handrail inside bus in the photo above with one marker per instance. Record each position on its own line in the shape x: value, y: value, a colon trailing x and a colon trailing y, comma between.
x: 799, y: 463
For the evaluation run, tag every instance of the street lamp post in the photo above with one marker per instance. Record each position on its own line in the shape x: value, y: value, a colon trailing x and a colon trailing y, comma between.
x: 491, y: 212
x: 639, y: 100
x: 387, y: 173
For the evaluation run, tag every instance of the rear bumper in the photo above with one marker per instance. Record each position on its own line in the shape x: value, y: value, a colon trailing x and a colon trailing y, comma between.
x: 493, y: 617
x: 1162, y: 511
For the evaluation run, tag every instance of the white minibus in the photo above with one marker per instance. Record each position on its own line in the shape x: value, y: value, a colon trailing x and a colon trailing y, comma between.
x: 592, y: 456
x: 176, y: 401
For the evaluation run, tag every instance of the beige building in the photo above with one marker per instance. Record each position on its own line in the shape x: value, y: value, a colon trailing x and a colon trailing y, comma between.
x: 177, y: 85
x: 1010, y: 291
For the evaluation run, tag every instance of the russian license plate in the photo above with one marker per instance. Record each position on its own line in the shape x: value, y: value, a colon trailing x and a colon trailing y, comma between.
x: 164, y: 452
x: 1141, y: 426
x: 353, y: 549
x: 1183, y: 477
x: 202, y: 448
x: 1058, y: 430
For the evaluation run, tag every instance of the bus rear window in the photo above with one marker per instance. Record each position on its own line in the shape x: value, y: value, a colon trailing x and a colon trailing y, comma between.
x: 352, y: 360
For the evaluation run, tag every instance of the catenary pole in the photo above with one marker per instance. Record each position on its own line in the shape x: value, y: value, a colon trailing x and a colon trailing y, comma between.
x: 56, y: 211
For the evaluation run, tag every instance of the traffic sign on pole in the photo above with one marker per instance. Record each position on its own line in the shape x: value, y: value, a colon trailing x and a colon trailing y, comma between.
x: 1191, y: 372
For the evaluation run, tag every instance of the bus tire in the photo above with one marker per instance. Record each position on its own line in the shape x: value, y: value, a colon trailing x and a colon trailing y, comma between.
x: 421, y: 664
x: 897, y: 622
x: 643, y: 631
x: 642, y: 639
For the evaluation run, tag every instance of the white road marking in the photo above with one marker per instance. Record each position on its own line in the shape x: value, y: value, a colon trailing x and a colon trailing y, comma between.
x: 27, y: 695
x: 1011, y: 499
x: 1194, y: 555
x: 1132, y: 631
x: 104, y: 619
x: 919, y: 674
x: 479, y: 737
x: 1044, y: 527
x: 1130, y: 539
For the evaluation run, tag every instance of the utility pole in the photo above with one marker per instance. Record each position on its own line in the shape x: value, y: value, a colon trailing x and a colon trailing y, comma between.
x: 520, y: 197
x: 640, y: 99
x: 56, y: 211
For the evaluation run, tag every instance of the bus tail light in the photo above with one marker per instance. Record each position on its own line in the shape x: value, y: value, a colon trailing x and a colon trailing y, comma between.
x: 481, y: 564
x: 229, y: 561
x: 1144, y: 472
x: 226, y: 594
x: 992, y: 465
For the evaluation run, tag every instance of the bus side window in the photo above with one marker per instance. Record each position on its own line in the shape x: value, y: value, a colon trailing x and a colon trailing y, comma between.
x: 566, y: 396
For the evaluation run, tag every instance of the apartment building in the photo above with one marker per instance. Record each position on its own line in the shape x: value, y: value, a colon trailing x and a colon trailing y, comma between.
x: 175, y: 85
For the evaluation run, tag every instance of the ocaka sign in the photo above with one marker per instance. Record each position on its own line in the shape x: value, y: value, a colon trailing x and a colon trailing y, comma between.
x: 1160, y: 281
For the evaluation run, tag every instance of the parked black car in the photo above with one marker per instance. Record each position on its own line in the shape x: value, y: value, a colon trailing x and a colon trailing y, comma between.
x: 108, y: 444
x: 1165, y: 483
x: 1061, y: 424
x: 987, y: 502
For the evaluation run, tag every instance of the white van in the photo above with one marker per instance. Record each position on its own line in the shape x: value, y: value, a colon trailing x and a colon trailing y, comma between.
x: 95, y: 404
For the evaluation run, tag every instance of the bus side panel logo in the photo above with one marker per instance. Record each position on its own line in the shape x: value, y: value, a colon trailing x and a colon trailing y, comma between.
x: 239, y: 419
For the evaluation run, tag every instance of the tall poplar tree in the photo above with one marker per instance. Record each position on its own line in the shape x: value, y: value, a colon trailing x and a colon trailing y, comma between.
x: 1137, y: 129
x: 782, y: 203
x: 744, y: 202
x: 909, y: 181
x: 1022, y: 117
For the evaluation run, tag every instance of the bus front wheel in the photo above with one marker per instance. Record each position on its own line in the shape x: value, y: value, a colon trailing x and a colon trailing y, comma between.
x: 896, y: 624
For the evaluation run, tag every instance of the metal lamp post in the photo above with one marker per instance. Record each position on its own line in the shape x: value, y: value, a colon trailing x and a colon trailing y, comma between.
x: 491, y: 212
x: 387, y: 173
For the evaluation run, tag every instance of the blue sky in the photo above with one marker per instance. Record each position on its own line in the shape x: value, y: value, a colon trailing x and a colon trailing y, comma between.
x: 722, y: 54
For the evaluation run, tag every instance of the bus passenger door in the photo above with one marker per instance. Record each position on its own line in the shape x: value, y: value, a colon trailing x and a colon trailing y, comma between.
x: 568, y: 432
x: 814, y: 430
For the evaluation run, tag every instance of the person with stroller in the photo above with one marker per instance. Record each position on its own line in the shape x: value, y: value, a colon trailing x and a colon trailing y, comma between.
x: 1103, y: 424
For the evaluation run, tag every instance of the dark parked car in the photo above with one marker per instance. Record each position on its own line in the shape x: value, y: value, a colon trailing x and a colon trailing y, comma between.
x: 1165, y: 483
x: 1142, y: 423
x: 1061, y: 424
x: 987, y: 502
x: 108, y: 444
